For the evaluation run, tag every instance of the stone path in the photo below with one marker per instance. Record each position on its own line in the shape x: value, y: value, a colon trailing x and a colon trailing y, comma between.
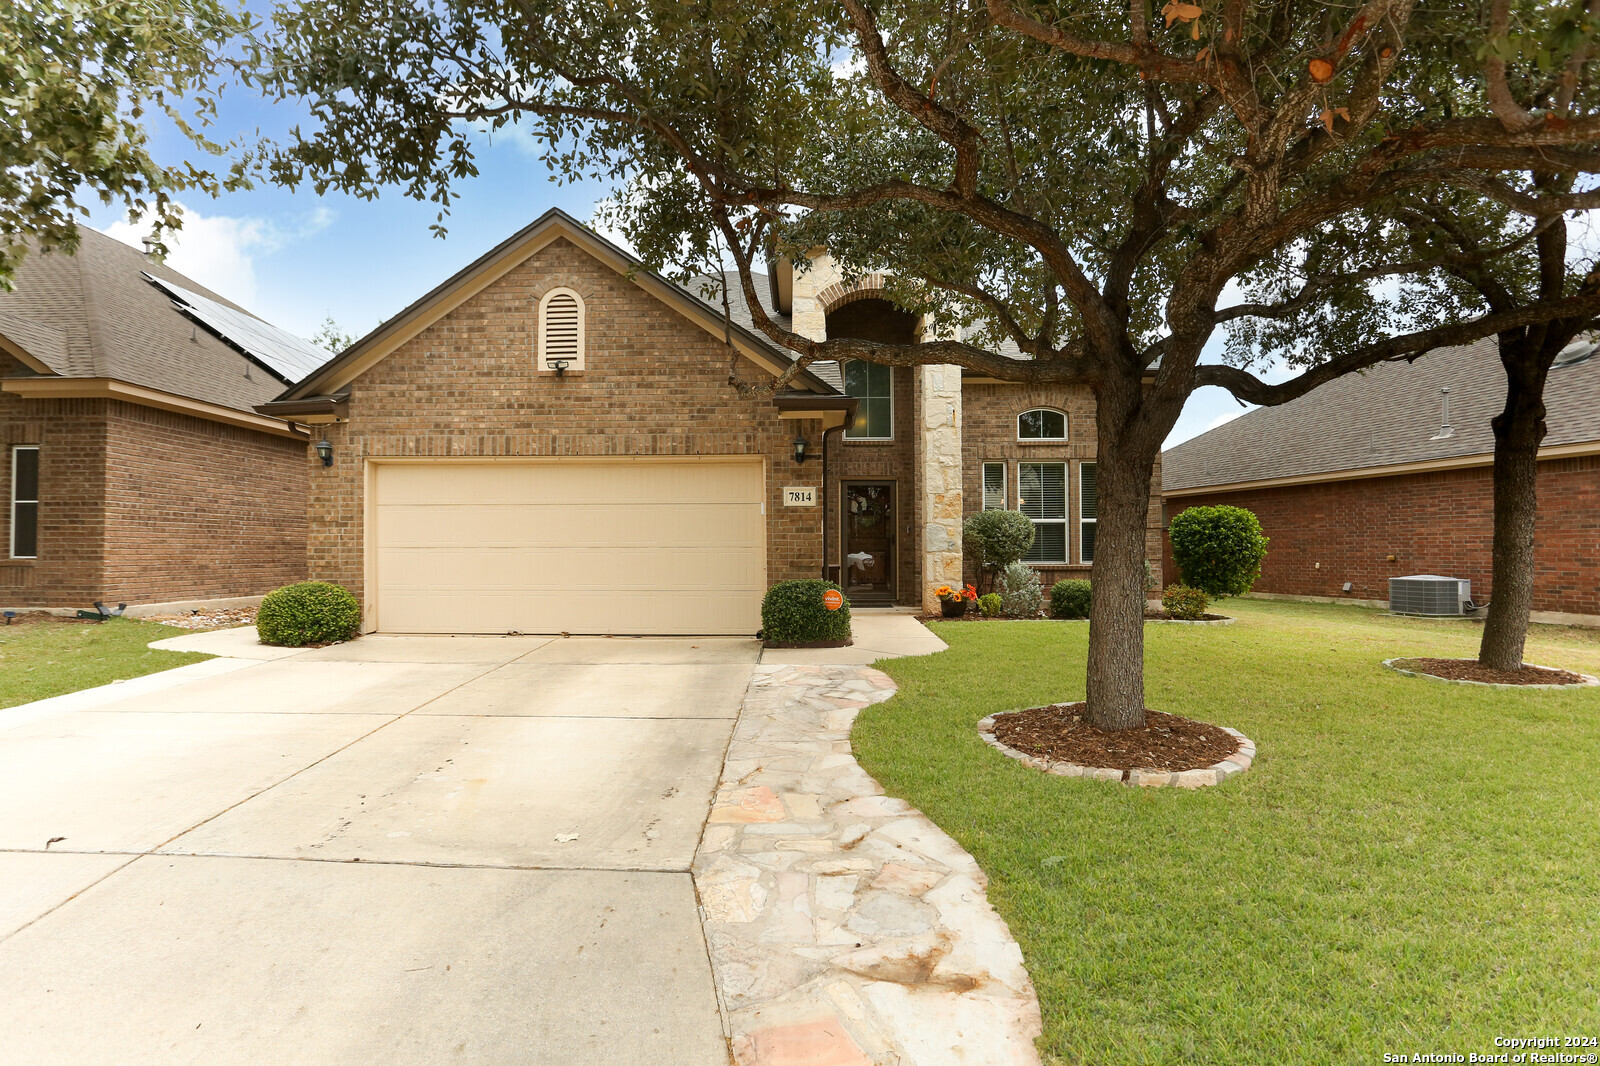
x: 845, y: 928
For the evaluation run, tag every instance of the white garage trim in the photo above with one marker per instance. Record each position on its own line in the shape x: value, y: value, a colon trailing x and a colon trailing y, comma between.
x: 581, y: 545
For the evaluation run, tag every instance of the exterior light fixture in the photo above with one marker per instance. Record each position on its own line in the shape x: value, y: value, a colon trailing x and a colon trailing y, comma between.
x: 799, y: 449
x: 558, y: 365
x: 325, y: 451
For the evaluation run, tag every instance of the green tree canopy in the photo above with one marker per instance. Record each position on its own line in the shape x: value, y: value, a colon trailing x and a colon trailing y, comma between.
x: 77, y: 82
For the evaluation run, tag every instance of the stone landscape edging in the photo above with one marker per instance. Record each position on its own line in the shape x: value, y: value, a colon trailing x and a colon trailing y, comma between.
x: 1215, y: 774
x: 1589, y: 681
x: 843, y: 926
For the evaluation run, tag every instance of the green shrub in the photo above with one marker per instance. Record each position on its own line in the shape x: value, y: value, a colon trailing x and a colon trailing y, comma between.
x: 1182, y: 601
x: 1218, y: 549
x: 989, y: 604
x: 996, y: 539
x: 1019, y: 591
x: 312, y: 612
x: 793, y: 613
x: 1070, y: 599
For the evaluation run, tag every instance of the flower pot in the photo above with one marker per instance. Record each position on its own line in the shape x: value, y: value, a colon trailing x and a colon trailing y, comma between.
x: 953, y: 608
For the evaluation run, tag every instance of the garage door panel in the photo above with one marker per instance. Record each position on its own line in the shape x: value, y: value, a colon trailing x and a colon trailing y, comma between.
x: 631, y: 546
x: 553, y: 525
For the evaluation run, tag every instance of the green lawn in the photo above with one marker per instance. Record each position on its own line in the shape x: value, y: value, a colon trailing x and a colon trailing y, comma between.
x: 40, y: 659
x: 1409, y: 866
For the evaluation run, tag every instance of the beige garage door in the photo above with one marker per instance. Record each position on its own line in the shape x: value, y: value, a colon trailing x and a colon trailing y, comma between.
x: 568, y: 545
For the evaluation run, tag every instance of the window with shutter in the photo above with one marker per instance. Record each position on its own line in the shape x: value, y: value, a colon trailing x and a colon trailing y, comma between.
x: 561, y: 315
x: 1042, y: 496
x: 1088, y: 511
x: 994, y: 486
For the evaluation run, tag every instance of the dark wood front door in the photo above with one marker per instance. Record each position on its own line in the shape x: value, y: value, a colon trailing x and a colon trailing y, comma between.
x: 869, y: 563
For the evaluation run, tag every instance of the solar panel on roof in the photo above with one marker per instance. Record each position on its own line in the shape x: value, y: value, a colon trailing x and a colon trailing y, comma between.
x: 286, y: 355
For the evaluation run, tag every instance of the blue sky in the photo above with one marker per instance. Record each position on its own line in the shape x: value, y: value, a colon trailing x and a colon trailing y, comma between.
x: 296, y: 258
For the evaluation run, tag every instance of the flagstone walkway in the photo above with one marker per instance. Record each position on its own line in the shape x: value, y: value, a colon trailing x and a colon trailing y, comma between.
x: 845, y: 928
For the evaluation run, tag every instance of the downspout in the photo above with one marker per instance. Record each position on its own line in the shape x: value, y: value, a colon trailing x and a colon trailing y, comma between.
x: 827, y: 496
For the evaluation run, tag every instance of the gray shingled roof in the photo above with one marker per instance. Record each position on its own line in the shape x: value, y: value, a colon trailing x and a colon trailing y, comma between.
x: 1384, y: 417
x: 739, y: 311
x: 95, y: 315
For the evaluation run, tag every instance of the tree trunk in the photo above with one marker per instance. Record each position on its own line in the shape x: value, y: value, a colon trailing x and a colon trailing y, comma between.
x: 1518, y: 431
x: 1124, y: 465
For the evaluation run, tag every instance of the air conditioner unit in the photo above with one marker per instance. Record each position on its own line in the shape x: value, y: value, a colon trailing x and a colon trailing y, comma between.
x: 1429, y: 594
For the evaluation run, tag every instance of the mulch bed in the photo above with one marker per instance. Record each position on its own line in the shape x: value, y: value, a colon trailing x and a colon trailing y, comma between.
x: 1167, y: 742
x: 1150, y: 616
x: 1163, y: 616
x: 34, y: 618
x: 1472, y: 670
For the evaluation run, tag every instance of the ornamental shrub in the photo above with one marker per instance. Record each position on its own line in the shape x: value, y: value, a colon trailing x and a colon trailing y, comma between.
x: 793, y: 613
x: 312, y: 612
x: 1019, y: 591
x: 1218, y: 549
x: 1070, y: 599
x: 996, y: 539
x: 989, y: 604
x: 1182, y: 601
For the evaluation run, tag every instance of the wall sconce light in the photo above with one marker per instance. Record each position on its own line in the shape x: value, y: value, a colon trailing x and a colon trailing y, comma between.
x: 558, y: 365
x: 325, y: 451
x: 799, y: 449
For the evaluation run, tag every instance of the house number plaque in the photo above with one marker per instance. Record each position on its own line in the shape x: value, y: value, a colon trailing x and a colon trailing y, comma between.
x: 799, y: 496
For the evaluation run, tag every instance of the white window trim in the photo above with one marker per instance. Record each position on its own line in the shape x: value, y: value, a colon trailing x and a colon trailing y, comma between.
x: 1066, y: 427
x: 583, y: 314
x: 1066, y: 493
x: 874, y: 440
x: 1082, y: 521
x: 11, y: 530
x: 983, y: 484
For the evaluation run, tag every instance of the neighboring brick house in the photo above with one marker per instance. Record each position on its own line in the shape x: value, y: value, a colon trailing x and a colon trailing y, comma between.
x: 1359, y: 481
x: 549, y: 442
x: 136, y: 470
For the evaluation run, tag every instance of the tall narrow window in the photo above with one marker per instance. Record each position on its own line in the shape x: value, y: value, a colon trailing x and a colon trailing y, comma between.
x: 873, y: 385
x: 24, y: 502
x: 994, y: 486
x: 561, y: 331
x: 1041, y: 423
x: 1088, y: 506
x: 1042, y: 490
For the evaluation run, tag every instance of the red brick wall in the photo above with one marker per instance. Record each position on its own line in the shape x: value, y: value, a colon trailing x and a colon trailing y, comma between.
x: 989, y: 433
x: 654, y: 384
x: 1435, y: 523
x: 71, y: 438
x: 199, y: 510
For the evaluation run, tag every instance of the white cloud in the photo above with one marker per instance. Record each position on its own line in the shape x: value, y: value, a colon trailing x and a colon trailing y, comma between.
x: 219, y: 251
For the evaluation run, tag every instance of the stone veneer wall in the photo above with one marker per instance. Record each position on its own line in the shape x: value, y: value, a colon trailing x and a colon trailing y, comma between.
x: 654, y: 384
x: 939, y: 411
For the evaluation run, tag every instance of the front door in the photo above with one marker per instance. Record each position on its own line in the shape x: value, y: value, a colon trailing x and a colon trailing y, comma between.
x: 869, y: 555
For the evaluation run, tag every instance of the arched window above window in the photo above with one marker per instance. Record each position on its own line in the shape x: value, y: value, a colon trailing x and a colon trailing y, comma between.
x: 561, y: 314
x: 1041, y: 423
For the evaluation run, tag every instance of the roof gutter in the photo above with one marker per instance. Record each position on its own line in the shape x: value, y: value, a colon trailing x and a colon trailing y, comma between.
x: 313, y: 410
x: 59, y: 388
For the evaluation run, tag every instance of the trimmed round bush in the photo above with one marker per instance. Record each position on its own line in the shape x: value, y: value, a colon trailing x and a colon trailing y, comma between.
x: 793, y: 613
x: 1218, y: 549
x: 1181, y: 601
x: 996, y: 539
x: 1069, y: 599
x: 989, y: 604
x: 312, y: 612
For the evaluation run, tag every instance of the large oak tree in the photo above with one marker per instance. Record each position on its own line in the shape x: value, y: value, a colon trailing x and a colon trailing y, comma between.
x: 1105, y: 186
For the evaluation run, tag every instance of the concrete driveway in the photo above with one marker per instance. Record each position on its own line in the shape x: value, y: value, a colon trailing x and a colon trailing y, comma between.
x: 400, y: 850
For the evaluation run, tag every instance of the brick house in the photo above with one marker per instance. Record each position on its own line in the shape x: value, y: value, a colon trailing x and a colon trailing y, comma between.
x: 1389, y: 473
x: 549, y: 442
x: 136, y: 470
